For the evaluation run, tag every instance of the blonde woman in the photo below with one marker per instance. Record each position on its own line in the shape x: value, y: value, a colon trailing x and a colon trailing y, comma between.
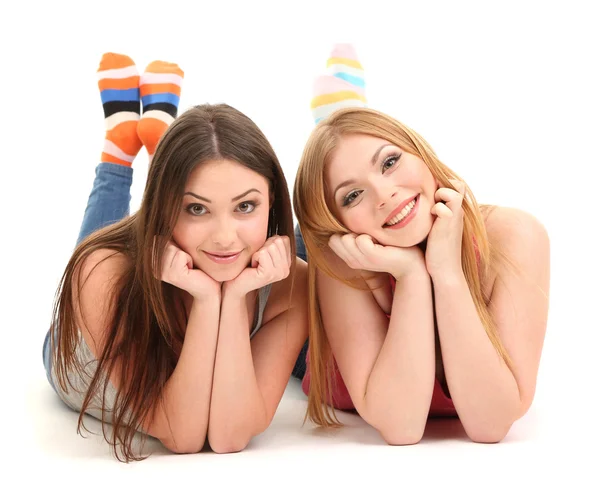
x: 423, y: 302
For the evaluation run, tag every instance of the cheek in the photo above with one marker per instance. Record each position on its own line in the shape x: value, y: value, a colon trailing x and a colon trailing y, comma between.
x: 187, y: 235
x: 358, y: 221
x: 253, y: 231
x: 411, y: 176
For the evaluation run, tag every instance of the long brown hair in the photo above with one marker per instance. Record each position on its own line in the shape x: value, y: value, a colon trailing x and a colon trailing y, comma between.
x: 143, y: 332
x: 318, y: 223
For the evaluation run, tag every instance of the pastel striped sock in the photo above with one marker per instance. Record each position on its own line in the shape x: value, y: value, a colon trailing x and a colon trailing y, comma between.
x: 118, y: 80
x: 342, y: 86
x: 160, y: 87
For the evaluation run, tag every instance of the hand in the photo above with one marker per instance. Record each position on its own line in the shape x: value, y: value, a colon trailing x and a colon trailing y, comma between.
x: 362, y: 253
x: 271, y: 263
x: 177, y: 268
x: 444, y: 244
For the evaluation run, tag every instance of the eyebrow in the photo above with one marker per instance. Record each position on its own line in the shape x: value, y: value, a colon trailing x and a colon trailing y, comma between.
x: 233, y: 200
x: 373, y: 161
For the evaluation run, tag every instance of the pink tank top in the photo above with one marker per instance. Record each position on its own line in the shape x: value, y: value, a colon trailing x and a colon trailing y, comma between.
x: 441, y: 404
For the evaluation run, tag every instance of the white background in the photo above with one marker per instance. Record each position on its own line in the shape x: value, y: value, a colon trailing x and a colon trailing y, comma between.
x: 507, y: 93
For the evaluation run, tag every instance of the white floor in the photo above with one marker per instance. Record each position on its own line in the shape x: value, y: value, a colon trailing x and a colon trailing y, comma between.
x: 554, y: 436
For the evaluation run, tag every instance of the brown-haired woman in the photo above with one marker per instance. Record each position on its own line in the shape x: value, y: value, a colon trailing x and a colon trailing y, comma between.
x: 183, y: 320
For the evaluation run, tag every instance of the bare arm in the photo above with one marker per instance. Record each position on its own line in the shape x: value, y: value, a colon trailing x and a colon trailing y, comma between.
x: 388, y: 366
x: 181, y: 421
x: 251, y: 376
x: 488, y: 396
x: 180, y: 418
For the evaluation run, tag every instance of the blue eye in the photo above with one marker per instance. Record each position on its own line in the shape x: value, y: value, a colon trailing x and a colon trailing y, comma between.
x: 349, y: 198
x: 246, y: 207
x: 196, y: 209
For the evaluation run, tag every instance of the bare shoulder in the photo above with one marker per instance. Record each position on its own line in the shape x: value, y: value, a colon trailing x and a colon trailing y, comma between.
x: 519, y: 235
x: 291, y: 292
x: 93, y: 287
x: 102, y: 265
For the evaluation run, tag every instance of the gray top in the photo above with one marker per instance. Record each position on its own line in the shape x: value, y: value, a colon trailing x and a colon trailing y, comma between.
x: 79, y: 383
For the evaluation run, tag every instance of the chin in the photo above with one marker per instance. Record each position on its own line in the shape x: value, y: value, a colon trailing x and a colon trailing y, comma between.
x: 222, y: 274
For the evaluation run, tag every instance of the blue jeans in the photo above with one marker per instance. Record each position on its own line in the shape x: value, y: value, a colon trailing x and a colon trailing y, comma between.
x: 108, y: 203
x: 300, y: 366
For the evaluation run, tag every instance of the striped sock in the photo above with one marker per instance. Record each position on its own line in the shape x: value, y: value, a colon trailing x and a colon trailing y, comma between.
x: 118, y: 80
x: 342, y: 86
x: 160, y: 87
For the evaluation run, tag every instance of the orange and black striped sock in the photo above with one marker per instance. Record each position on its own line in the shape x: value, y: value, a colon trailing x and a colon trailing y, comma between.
x: 160, y: 88
x: 118, y: 80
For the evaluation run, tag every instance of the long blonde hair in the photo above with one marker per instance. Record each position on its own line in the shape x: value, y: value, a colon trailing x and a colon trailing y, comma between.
x: 317, y: 224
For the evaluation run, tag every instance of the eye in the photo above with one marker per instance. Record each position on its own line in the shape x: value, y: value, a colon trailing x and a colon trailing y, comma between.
x: 196, y: 209
x: 350, y: 197
x: 246, y: 207
x: 389, y: 162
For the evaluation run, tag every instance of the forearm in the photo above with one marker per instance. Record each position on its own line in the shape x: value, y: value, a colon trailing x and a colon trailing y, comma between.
x: 398, y: 391
x: 483, y: 389
x: 186, y: 397
x: 237, y: 408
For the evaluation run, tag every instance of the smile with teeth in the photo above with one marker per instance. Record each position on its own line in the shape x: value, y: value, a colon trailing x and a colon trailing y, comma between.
x: 402, y: 214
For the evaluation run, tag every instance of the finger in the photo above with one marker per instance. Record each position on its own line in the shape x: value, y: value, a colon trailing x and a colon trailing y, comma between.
x: 265, y: 259
x: 270, y: 240
x: 441, y: 210
x: 459, y: 186
x: 277, y: 257
x: 452, y: 198
x: 255, y: 258
x: 357, y: 257
x: 365, y: 244
x: 181, y: 261
x: 168, y: 256
x: 335, y: 244
x: 447, y: 195
x: 283, y: 252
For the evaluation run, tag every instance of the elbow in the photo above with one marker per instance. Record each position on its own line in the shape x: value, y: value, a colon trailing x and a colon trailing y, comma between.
x: 488, y: 433
x: 402, y: 437
x: 404, y: 429
x: 228, y: 444
x: 403, y: 433
x: 184, y: 446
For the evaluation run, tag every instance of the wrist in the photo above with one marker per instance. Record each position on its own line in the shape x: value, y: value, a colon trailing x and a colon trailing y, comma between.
x: 448, y: 277
x: 416, y: 271
x: 204, y: 300
x: 232, y: 291
x: 208, y: 297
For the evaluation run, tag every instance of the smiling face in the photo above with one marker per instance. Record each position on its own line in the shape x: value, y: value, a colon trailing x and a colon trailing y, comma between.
x: 376, y: 188
x: 224, y: 217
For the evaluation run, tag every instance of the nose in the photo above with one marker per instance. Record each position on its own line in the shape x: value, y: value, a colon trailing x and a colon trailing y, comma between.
x: 224, y: 234
x: 385, y: 193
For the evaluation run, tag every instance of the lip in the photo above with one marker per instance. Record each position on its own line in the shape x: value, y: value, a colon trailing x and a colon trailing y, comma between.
x: 223, y: 257
x: 401, y: 206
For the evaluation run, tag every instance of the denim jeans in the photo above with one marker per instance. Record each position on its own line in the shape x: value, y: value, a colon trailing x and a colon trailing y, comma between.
x: 300, y: 366
x: 108, y: 203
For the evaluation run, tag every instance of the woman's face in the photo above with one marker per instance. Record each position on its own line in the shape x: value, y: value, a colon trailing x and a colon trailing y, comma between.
x: 378, y: 189
x: 224, y: 218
